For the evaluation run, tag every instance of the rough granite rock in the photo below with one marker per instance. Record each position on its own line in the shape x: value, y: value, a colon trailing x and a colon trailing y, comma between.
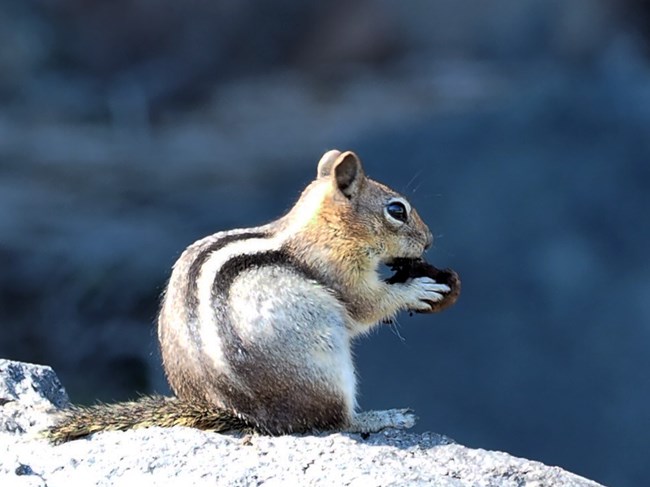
x: 28, y: 394
x: 183, y: 456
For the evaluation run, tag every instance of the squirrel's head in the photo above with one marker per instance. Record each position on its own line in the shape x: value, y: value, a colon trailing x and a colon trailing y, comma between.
x: 355, y: 214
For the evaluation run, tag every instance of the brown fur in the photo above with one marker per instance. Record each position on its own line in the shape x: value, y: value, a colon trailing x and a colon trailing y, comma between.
x: 78, y: 422
x: 230, y: 375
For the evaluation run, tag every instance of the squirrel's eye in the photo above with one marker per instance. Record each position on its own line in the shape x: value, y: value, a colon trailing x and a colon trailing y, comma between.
x: 397, y: 210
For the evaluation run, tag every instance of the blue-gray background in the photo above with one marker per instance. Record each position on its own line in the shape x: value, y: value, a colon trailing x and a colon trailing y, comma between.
x: 519, y: 128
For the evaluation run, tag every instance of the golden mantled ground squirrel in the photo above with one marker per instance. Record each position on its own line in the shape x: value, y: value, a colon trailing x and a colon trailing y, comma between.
x: 256, y: 324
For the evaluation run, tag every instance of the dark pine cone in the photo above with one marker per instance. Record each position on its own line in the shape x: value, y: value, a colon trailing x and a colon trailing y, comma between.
x: 410, y: 268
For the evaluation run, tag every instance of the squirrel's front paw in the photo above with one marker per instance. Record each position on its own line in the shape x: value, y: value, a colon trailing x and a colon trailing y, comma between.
x: 423, y: 292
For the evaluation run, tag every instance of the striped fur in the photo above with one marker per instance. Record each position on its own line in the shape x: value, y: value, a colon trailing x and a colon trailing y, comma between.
x: 257, y: 323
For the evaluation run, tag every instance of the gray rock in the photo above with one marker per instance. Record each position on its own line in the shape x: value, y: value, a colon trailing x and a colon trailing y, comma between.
x: 183, y: 456
x: 28, y: 394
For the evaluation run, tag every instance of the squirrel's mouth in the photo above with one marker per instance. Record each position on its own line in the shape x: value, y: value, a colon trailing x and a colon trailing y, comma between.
x: 405, y: 268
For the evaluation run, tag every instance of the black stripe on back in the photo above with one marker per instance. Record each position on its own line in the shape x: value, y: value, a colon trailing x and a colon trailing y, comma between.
x: 228, y: 273
x: 239, y: 263
x: 194, y: 272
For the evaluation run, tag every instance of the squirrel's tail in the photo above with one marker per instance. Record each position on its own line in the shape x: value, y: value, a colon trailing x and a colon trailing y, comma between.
x: 78, y: 422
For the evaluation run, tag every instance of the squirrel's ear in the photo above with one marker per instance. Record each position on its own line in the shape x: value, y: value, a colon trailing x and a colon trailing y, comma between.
x: 326, y: 162
x: 348, y: 173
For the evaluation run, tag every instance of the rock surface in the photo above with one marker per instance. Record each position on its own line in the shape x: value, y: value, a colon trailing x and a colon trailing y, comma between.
x: 28, y: 394
x: 184, y: 456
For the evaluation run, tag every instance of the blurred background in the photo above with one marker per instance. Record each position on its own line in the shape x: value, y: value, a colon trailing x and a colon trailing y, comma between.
x: 518, y: 128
